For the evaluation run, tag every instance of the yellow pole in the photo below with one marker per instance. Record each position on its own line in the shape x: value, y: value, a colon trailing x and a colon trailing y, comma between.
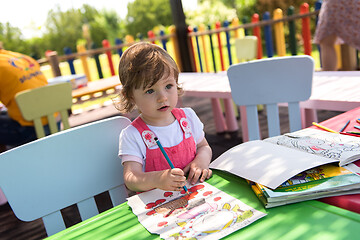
x: 83, y: 58
x: 129, y: 39
x: 207, y: 64
x: 238, y: 33
x: 279, y: 33
x: 174, y: 41
x: 338, y: 55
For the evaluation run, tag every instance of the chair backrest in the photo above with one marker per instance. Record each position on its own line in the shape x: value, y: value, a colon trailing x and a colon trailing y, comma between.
x: 246, y: 48
x: 69, y: 167
x: 45, y: 102
x: 272, y: 81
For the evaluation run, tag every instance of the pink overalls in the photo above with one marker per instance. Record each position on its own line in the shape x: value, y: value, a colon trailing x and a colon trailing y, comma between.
x: 180, y: 155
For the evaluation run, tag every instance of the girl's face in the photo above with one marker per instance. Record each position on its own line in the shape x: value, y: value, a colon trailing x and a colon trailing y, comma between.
x: 156, y: 102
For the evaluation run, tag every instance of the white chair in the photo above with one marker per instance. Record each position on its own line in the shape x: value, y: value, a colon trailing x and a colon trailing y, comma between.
x: 69, y: 167
x: 270, y: 82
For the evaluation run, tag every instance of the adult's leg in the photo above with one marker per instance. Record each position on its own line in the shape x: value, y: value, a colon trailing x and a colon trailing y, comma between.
x: 328, y: 53
x: 12, y: 133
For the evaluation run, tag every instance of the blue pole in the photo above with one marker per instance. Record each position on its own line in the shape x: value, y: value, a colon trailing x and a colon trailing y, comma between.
x: 118, y: 41
x: 226, y: 24
x: 198, y: 49
x: 163, y: 41
x: 67, y: 51
x: 268, y: 36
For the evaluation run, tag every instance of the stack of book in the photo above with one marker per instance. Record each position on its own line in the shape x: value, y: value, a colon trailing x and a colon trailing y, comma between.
x: 304, y: 165
x: 323, y: 181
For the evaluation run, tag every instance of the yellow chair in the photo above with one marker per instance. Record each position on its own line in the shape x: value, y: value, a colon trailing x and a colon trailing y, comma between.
x: 246, y: 48
x: 46, y: 101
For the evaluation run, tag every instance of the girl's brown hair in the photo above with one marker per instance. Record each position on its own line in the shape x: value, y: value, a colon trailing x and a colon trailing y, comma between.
x: 142, y: 65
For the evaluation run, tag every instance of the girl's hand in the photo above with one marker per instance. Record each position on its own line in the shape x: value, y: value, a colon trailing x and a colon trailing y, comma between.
x: 197, y: 171
x: 172, y: 180
x: 139, y: 181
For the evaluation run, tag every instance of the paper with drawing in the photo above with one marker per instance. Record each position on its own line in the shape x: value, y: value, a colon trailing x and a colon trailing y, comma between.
x: 205, y: 213
x: 272, y: 161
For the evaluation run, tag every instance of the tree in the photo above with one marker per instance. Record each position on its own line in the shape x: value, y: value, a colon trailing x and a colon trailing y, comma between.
x: 63, y: 29
x: 12, y: 39
x: 209, y: 12
x: 106, y: 25
x: 143, y: 16
x: 244, y: 8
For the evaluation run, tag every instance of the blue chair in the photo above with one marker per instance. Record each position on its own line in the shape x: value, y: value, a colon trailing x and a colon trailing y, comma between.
x: 69, y: 167
x: 270, y: 82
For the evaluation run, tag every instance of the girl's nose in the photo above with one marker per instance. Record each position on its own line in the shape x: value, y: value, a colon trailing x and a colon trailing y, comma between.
x: 162, y: 96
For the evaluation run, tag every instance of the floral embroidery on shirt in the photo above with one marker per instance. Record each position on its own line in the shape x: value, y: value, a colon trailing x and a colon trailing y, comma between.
x: 148, y: 137
x: 185, y: 126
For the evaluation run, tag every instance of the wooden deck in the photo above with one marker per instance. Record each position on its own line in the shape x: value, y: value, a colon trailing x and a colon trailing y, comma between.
x: 12, y: 228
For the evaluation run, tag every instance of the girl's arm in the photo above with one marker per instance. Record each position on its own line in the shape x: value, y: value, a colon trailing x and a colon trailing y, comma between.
x: 137, y: 180
x: 198, y: 169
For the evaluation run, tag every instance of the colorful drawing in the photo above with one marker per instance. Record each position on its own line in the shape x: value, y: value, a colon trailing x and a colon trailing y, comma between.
x: 206, y: 212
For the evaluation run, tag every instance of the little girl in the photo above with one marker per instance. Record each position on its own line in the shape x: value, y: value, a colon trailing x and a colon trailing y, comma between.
x: 149, y: 78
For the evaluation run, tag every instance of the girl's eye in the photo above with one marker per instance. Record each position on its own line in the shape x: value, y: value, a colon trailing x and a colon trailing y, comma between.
x: 150, y: 91
x: 169, y: 86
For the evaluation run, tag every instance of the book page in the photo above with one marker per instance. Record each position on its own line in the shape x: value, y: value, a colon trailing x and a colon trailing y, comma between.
x: 343, y: 148
x: 267, y: 163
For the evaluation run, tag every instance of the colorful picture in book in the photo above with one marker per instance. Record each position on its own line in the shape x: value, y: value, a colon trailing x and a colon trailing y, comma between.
x: 311, y: 178
x: 205, y: 212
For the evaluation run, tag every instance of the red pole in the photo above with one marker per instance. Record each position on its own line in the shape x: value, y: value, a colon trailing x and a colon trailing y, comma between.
x: 257, y: 33
x: 306, y: 34
x: 217, y: 26
x: 106, y: 44
x: 151, y: 35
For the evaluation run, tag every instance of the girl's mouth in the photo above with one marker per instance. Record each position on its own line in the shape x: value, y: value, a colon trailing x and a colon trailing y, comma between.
x: 163, y: 108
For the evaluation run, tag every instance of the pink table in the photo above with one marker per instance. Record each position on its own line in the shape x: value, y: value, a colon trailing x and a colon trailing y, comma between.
x: 334, y: 91
x: 215, y: 86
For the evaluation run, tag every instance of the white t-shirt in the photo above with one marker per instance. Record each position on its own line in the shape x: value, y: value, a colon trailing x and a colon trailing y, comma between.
x: 133, y: 148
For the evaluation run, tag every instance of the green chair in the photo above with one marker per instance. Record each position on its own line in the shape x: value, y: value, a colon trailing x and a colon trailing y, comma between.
x: 46, y: 101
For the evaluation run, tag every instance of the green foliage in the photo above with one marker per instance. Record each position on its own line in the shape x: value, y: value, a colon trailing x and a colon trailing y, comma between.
x: 143, y: 16
x: 106, y: 25
x: 12, y: 38
x: 63, y: 29
x: 209, y: 12
x: 244, y: 8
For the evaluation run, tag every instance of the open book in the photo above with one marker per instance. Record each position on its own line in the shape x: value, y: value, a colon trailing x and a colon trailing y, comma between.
x: 274, y: 160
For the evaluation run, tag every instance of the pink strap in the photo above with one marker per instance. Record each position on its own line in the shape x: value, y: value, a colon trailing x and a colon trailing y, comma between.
x: 148, y: 136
